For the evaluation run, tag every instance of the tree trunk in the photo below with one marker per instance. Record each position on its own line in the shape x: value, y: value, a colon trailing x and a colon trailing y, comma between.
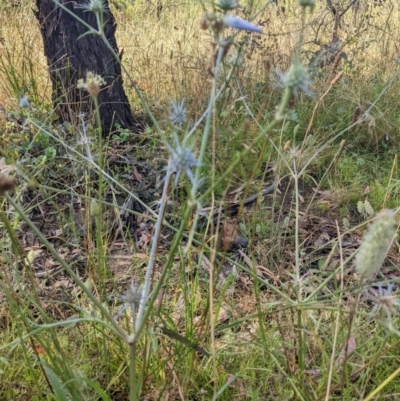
x: 70, y: 57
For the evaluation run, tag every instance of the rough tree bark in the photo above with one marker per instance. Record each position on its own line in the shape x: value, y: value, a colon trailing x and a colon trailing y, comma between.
x: 69, y: 58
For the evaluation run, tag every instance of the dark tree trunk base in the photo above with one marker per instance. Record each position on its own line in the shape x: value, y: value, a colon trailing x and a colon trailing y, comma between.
x: 70, y: 58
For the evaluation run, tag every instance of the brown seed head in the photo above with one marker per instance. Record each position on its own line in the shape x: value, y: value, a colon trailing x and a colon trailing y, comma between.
x: 7, y: 183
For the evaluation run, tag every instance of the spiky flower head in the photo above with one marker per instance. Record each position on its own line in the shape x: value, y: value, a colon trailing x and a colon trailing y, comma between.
x: 95, y: 6
x: 297, y: 79
x: 92, y: 83
x: 182, y: 160
x: 386, y: 304
x: 227, y: 5
x: 134, y: 296
x: 177, y: 113
x: 376, y: 244
x: 24, y: 101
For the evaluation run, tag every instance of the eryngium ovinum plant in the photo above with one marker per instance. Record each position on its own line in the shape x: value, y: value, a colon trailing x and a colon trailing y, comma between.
x: 224, y: 28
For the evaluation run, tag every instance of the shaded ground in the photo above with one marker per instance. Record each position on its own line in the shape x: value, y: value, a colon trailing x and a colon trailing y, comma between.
x: 269, y: 251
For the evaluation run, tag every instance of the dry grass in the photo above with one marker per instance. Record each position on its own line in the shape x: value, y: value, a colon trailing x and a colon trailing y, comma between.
x: 169, y: 56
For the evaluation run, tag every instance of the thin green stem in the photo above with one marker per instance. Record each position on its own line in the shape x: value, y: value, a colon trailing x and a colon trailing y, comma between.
x: 133, y: 387
x: 153, y: 252
x: 171, y: 257
x: 207, y: 127
x: 301, y: 349
x: 101, y: 262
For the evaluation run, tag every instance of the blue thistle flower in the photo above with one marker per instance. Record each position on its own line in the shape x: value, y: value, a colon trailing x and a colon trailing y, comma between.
x: 24, y: 101
x: 241, y: 24
x: 386, y: 305
x: 178, y: 112
x: 182, y: 160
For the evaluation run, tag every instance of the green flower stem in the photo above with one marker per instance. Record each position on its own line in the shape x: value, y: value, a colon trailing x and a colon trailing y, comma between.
x: 100, y: 132
x: 301, y: 344
x: 171, y: 255
x: 133, y: 382
x: 206, y: 132
x: 145, y: 308
x: 102, y: 266
x: 301, y: 35
x: 301, y: 348
x: 153, y: 252
x: 280, y: 114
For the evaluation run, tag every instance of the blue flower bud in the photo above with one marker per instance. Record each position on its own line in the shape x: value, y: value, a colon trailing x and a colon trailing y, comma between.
x: 241, y: 24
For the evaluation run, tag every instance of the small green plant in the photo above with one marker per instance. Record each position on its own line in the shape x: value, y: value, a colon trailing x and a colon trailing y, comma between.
x: 365, y: 208
x: 123, y: 136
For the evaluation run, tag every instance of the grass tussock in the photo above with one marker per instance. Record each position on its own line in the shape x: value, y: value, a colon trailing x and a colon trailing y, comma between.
x: 243, y: 246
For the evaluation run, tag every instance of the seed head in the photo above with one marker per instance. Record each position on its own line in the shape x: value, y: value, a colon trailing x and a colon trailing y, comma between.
x: 178, y: 112
x: 7, y: 183
x: 92, y: 83
x: 95, y: 208
x: 376, y: 244
x: 297, y: 79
